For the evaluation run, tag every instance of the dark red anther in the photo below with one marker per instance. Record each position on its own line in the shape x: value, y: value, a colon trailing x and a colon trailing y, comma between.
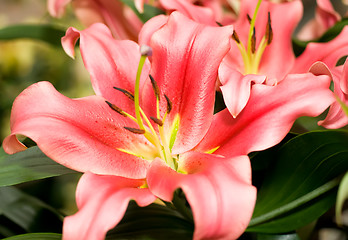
x: 253, y: 41
x: 249, y: 18
x: 269, y: 31
x: 135, y: 130
x: 169, y: 104
x: 157, y: 121
x: 235, y: 37
x: 126, y: 92
x: 155, y: 87
x: 115, y: 108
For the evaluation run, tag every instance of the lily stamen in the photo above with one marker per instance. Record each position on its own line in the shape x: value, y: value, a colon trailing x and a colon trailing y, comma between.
x: 252, y: 54
x: 157, y: 121
x: 236, y: 37
x: 169, y: 104
x: 120, y: 111
x: 269, y: 31
x: 253, y: 41
x: 158, y: 139
x: 149, y: 136
x: 126, y: 93
x: 157, y: 94
x: 249, y: 18
x: 155, y: 87
x: 257, y: 57
x: 135, y: 130
x: 252, y: 25
x: 150, y: 126
x: 131, y: 97
x: 117, y: 109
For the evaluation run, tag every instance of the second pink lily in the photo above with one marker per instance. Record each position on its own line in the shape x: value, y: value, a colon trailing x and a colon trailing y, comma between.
x: 262, y: 52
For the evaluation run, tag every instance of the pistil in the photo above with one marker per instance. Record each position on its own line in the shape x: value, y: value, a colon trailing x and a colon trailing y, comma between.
x: 158, y: 140
x: 136, y: 91
x: 252, y: 27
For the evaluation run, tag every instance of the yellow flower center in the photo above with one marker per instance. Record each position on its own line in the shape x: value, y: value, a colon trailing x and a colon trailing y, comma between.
x: 161, y: 141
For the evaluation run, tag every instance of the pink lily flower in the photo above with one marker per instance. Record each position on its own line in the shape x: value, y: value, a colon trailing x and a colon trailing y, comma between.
x: 262, y: 51
x: 127, y: 156
x: 325, y: 18
x: 122, y: 21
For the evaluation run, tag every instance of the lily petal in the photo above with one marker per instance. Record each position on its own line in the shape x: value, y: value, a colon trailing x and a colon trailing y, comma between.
x: 150, y: 27
x: 83, y: 134
x: 111, y: 63
x: 122, y: 21
x: 219, y: 192
x: 102, y: 201
x: 269, y: 115
x: 185, y: 61
x: 279, y: 57
x: 199, y: 14
x: 329, y: 53
x: 336, y: 118
x: 236, y: 87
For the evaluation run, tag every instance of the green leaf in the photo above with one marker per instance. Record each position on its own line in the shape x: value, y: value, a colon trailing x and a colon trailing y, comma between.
x: 302, y: 184
x: 152, y: 222
x: 149, y: 11
x: 290, y: 236
x: 28, y: 165
x: 299, y: 46
x: 47, y: 33
x: 36, y: 236
x: 342, y: 196
x: 332, y: 32
x: 28, y: 212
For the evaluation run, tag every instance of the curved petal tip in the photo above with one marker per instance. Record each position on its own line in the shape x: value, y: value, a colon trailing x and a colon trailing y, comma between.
x: 69, y: 41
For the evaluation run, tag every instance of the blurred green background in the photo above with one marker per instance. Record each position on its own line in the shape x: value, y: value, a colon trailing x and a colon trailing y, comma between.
x: 24, y: 62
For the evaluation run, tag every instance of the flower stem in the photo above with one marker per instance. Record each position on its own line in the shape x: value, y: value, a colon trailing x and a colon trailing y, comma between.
x: 296, y: 203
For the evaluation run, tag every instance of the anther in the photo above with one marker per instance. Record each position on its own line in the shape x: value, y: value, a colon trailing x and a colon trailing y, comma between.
x: 219, y: 24
x: 235, y: 37
x: 155, y: 87
x: 115, y: 108
x: 249, y: 18
x: 169, y: 104
x: 135, y: 130
x: 145, y: 50
x: 253, y: 42
x: 157, y: 121
x: 269, y: 31
x: 126, y: 92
